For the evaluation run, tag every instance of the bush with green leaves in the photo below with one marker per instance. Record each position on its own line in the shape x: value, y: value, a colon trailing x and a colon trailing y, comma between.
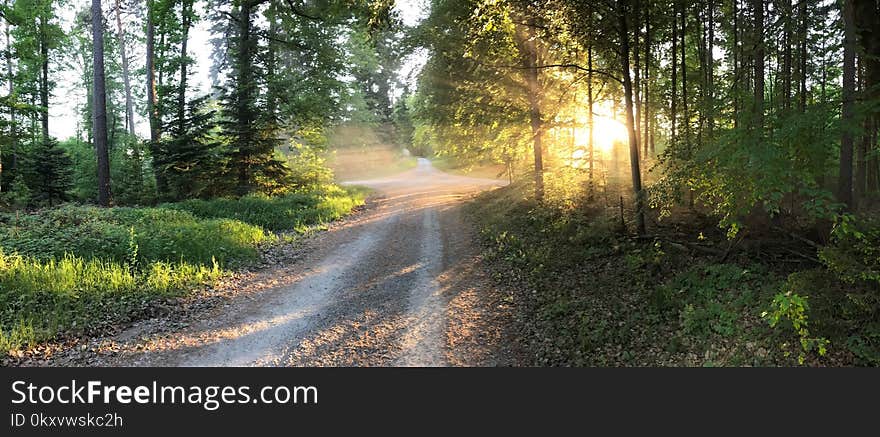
x: 854, y: 253
x: 792, y: 310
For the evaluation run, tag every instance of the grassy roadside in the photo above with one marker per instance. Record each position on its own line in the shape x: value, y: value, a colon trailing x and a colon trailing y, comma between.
x: 588, y: 294
x: 448, y: 165
x: 78, y: 268
x: 351, y: 165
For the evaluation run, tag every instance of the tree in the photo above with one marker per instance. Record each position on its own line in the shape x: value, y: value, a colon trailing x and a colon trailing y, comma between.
x: 845, y: 181
x: 129, y: 103
x: 99, y: 111
x: 49, y: 173
x: 623, y: 11
x: 529, y: 54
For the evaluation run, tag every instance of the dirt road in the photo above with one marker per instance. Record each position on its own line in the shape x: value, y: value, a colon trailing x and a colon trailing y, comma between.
x: 398, y: 284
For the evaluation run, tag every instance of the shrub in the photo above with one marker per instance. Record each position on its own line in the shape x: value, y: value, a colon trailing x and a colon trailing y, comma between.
x: 792, y: 310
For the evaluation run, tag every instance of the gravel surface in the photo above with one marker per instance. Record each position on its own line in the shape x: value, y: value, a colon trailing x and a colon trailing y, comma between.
x: 399, y: 283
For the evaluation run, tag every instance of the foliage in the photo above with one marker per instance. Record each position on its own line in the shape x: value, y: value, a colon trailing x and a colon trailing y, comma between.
x: 593, y: 297
x: 48, y: 174
x: 277, y: 214
x: 792, y: 309
x: 75, y: 268
x: 854, y: 254
x: 41, y: 298
x: 162, y: 235
x: 190, y: 162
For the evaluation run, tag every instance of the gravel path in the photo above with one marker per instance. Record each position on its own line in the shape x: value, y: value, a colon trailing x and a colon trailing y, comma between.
x: 398, y: 284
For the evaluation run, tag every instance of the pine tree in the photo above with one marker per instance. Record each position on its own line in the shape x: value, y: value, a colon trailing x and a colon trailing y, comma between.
x: 48, y: 173
x: 190, y: 158
x: 251, y: 131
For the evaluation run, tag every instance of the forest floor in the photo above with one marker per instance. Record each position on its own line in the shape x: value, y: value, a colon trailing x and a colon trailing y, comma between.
x: 585, y: 292
x: 399, y: 283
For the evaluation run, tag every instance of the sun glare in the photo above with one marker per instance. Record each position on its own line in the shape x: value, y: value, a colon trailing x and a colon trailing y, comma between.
x: 608, y: 132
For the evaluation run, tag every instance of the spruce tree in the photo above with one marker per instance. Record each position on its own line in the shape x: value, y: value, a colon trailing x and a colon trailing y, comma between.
x: 49, y: 173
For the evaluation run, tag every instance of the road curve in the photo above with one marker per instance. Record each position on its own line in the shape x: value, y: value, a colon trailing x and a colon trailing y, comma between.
x: 393, y: 286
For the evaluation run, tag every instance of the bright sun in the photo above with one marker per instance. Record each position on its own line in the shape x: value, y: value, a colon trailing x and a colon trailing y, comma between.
x: 608, y: 132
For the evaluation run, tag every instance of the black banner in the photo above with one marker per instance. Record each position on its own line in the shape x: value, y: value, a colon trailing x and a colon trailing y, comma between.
x: 155, y: 401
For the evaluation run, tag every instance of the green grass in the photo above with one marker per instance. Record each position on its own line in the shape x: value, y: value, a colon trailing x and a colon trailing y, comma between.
x: 77, y: 268
x: 161, y: 234
x: 293, y: 211
x: 40, y: 298
x: 487, y: 171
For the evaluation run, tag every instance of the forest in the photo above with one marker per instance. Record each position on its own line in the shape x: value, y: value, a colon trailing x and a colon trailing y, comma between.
x: 687, y: 183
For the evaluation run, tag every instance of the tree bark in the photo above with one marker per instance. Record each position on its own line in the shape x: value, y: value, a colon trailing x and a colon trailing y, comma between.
x: 788, y: 35
x: 758, y: 60
x: 530, y: 63
x: 591, y: 138
x: 674, y: 70
x: 802, y: 40
x: 13, y: 135
x: 99, y: 107
x: 737, y: 71
x: 637, y: 68
x: 630, y: 119
x: 244, y: 84
x: 44, y: 80
x: 152, y: 96
x: 685, y: 125
x: 648, y: 149
x: 845, y: 181
x: 126, y: 80
x: 866, y: 14
x: 710, y: 71
x: 186, y: 22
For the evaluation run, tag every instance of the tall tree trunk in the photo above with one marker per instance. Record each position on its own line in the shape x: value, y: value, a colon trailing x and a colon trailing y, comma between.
x: 99, y: 106
x: 674, y: 69
x: 802, y: 40
x: 788, y: 35
x: 861, y: 147
x: 622, y: 11
x: 710, y: 71
x: 13, y: 135
x: 867, y: 24
x: 272, y: 60
x: 702, y: 20
x: 126, y: 80
x: 637, y: 67
x: 845, y: 182
x: 647, y: 90
x: 246, y: 89
x: 591, y: 139
x: 737, y: 70
x: 186, y: 21
x: 685, y: 125
x: 44, y: 80
x: 535, y: 111
x: 153, y: 97
x: 758, y: 64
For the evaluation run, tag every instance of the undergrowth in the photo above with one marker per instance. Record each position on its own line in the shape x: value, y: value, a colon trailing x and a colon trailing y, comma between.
x: 593, y: 295
x: 77, y: 268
